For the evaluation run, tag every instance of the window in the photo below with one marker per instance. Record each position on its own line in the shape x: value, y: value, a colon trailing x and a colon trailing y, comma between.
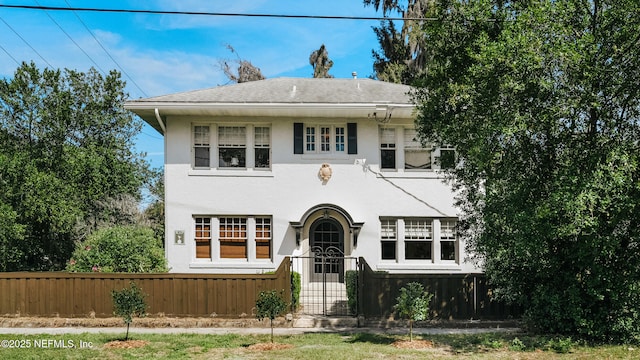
x: 339, y: 139
x: 388, y: 239
x: 232, y: 142
x: 310, y: 139
x: 201, y: 146
x: 262, y: 145
x: 387, y: 148
x: 418, y: 239
x: 233, y: 238
x: 263, y: 238
x: 203, y: 238
x: 447, y: 239
x: 415, y: 155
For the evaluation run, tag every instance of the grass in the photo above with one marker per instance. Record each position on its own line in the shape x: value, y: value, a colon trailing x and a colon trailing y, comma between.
x: 311, y: 346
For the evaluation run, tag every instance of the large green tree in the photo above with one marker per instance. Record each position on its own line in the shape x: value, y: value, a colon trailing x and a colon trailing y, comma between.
x: 65, y: 147
x: 401, y: 57
x: 542, y: 101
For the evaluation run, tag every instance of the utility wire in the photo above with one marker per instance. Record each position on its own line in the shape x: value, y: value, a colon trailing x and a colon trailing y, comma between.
x: 14, y: 59
x: 26, y: 42
x: 107, y: 52
x: 70, y: 38
x: 168, y: 12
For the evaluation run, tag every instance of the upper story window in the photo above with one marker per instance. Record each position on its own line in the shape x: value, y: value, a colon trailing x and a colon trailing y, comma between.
x: 262, y: 146
x: 234, y: 147
x: 201, y: 146
x: 416, y: 156
x: 400, y: 148
x: 387, y: 148
x: 325, y: 139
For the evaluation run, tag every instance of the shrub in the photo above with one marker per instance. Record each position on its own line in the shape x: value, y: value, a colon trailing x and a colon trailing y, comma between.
x: 295, y: 290
x: 413, y: 303
x: 351, y: 280
x: 128, y: 249
x: 270, y: 305
x: 128, y: 303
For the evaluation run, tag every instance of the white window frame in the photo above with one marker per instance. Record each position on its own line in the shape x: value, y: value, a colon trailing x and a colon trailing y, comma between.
x: 251, y: 142
x: 413, y: 145
x: 436, y: 232
x: 200, y: 141
x: 251, y: 223
x: 325, y: 139
x: 388, y: 141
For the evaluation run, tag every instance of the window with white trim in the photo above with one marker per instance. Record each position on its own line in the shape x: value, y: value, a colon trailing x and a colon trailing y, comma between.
x: 430, y: 240
x: 232, y: 146
x: 388, y: 238
x: 201, y: 147
x: 447, y: 158
x: 387, y: 148
x: 416, y: 156
x: 448, y: 239
x: 324, y: 139
x: 418, y: 239
x: 237, y: 238
x: 203, y: 238
x: 262, y: 146
x: 233, y: 238
x: 263, y: 238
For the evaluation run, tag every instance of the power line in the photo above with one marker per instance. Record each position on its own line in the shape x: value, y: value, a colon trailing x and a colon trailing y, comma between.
x: 107, y: 52
x: 168, y: 12
x: 14, y: 59
x: 26, y: 42
x: 73, y: 41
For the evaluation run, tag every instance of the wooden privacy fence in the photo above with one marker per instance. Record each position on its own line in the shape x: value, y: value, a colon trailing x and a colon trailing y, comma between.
x: 83, y: 294
x: 456, y: 296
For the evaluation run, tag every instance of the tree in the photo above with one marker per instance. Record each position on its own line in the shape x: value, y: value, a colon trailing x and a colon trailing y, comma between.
x: 246, y: 70
x: 401, y: 57
x: 130, y: 249
x: 319, y: 60
x: 269, y: 305
x: 413, y: 303
x: 128, y: 303
x: 65, y: 147
x: 542, y: 101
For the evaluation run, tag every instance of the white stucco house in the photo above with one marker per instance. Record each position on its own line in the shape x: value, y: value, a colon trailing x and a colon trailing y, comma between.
x: 258, y: 171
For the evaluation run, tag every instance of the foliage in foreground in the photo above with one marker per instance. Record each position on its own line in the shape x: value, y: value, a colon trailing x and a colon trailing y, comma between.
x: 314, y: 346
x: 541, y: 100
x: 413, y: 304
x: 129, y: 302
x: 269, y: 305
x: 128, y: 249
x: 66, y: 145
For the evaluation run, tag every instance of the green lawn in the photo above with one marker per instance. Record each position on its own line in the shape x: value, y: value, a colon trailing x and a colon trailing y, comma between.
x: 308, y: 346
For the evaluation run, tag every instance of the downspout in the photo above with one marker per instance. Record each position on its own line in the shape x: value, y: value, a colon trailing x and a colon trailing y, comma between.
x: 157, y: 112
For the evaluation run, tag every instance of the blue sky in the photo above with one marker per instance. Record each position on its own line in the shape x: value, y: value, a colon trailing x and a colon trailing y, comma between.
x: 165, y: 54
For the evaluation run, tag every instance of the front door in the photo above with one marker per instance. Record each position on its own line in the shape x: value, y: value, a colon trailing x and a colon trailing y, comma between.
x: 327, y: 247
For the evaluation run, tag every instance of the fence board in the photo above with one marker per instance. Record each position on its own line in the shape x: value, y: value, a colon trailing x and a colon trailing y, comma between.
x: 456, y: 296
x: 78, y: 294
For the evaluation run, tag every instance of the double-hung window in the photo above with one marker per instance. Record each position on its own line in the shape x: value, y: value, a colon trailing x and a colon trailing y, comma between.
x: 447, y: 158
x: 263, y: 238
x: 418, y: 239
x: 262, y: 144
x: 203, y: 238
x: 387, y: 148
x: 233, y: 237
x: 325, y: 139
x: 416, y: 157
x: 232, y: 146
x: 389, y: 236
x: 447, y: 239
x: 201, y: 147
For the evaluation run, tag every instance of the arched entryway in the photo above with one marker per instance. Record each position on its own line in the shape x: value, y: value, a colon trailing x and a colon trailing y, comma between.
x: 326, y: 242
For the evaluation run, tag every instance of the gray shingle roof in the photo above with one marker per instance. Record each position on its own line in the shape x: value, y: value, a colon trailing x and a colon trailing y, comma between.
x: 294, y: 90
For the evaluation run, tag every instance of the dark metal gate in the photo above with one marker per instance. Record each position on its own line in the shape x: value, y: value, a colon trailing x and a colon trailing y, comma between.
x: 323, y: 277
